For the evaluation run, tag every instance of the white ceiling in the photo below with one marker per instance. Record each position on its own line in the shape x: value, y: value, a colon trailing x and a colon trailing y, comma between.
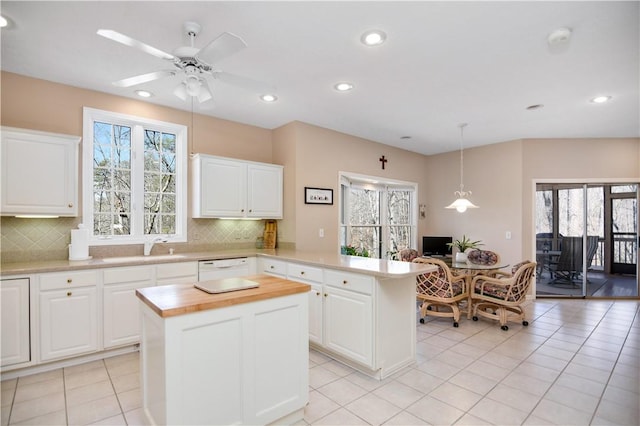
x: 444, y: 63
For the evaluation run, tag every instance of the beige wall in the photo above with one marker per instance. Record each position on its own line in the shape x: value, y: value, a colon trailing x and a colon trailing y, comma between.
x: 320, y: 154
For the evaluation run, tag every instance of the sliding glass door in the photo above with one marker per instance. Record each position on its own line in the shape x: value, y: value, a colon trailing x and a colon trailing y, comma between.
x: 586, y: 240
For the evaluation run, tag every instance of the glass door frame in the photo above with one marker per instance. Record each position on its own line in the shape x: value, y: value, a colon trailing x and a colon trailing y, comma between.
x: 584, y: 183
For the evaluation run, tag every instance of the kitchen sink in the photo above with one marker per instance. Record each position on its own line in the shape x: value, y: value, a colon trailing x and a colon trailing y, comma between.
x: 153, y: 258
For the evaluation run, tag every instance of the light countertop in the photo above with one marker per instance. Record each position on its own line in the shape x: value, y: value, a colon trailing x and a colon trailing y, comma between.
x: 364, y: 265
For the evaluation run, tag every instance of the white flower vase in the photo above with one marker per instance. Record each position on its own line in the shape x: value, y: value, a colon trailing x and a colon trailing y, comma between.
x: 461, y: 257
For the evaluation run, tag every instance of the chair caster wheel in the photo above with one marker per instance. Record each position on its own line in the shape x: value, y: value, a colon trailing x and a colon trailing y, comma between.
x: 525, y: 323
x: 475, y: 318
x: 421, y: 320
x: 455, y: 324
x: 504, y: 327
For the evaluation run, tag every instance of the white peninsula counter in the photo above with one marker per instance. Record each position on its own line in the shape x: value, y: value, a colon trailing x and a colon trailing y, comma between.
x: 231, y: 358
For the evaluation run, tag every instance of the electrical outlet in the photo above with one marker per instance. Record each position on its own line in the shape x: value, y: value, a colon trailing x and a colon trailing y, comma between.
x: 321, y: 232
x: 508, y: 235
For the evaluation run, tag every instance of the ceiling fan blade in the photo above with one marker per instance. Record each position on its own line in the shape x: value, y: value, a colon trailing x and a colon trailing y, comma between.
x: 128, y: 41
x: 224, y: 45
x: 143, y: 78
x: 243, y: 82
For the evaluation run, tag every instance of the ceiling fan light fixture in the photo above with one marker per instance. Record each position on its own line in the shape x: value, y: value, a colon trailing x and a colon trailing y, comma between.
x: 373, y: 37
x: 192, y: 85
x: 181, y: 91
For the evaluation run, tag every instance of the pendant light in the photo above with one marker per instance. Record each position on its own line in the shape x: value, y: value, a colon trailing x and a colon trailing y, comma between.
x: 461, y: 204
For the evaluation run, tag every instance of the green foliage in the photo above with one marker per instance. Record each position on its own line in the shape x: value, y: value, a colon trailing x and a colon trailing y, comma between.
x: 354, y: 251
x: 464, y: 244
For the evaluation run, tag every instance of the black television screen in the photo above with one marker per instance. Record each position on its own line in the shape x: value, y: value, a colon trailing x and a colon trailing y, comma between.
x: 436, y: 246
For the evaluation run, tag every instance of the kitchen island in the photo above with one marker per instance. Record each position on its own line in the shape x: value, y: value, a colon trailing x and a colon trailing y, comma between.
x: 231, y: 358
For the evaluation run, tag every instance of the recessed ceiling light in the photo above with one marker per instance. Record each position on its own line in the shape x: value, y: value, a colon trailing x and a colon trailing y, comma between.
x: 535, y: 106
x: 269, y: 98
x: 559, y: 36
x: 144, y: 93
x: 343, y: 86
x: 3, y: 22
x: 373, y: 37
x: 601, y: 99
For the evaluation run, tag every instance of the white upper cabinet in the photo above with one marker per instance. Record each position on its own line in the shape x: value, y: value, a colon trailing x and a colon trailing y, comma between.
x: 39, y: 173
x: 225, y: 187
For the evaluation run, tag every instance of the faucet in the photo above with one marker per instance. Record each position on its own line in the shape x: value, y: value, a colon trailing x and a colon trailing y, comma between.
x: 148, y: 245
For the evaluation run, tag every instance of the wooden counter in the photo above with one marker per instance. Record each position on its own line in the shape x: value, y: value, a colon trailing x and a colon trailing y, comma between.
x: 180, y: 299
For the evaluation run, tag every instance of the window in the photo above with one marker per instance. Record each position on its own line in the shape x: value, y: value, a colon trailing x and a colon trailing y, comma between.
x: 377, y: 217
x: 134, y: 178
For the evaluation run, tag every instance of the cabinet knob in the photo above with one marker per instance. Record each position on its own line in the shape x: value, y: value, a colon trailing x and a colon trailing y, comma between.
x: 325, y: 295
x: 242, y: 211
x: 250, y: 210
x: 271, y: 266
x: 69, y: 280
x: 301, y: 272
x: 70, y: 205
x: 317, y: 293
x: 69, y: 293
x: 344, y: 282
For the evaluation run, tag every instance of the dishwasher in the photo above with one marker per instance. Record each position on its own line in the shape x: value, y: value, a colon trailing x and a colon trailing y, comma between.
x: 222, y: 268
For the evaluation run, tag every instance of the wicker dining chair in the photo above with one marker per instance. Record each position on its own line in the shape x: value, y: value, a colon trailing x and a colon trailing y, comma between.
x: 500, y: 296
x: 440, y: 291
x: 408, y: 254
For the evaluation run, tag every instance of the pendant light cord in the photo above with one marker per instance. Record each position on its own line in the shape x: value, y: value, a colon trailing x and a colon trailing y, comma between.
x: 462, y: 126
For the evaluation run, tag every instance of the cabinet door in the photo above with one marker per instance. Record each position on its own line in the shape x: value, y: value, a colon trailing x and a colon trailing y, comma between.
x: 264, y: 191
x: 14, y: 310
x: 348, y: 324
x: 121, y: 307
x: 315, y: 314
x: 220, y: 188
x: 177, y: 273
x: 68, y: 322
x: 39, y: 173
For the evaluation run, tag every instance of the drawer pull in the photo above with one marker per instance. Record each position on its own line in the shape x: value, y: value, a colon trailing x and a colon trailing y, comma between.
x: 344, y: 282
x: 69, y: 280
x: 69, y: 293
x: 317, y: 293
x: 301, y: 272
x: 271, y: 267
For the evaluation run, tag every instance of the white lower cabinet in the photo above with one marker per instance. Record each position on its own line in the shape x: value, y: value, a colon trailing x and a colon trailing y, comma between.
x: 68, y: 314
x: 121, y: 310
x: 177, y: 273
x: 308, y: 275
x: 14, y: 310
x: 315, y: 314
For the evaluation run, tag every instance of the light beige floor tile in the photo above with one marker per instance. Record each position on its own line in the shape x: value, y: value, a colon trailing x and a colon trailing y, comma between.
x: 123, y: 368
x: 594, y: 363
x: 514, y: 398
x: 456, y: 359
x: 594, y: 374
x: 398, y: 394
x: 473, y: 382
x: 420, y: 381
x: 90, y: 392
x: 373, y: 409
x: 500, y: 360
x: 38, y: 390
x: 526, y: 383
x: 340, y: 417
x: 456, y: 396
x: 338, y: 368
x: 622, y: 397
x: 560, y: 414
x: 405, y: 419
x: 6, y: 397
x: 569, y: 397
x: 318, y: 407
x: 581, y: 384
x: 4, y: 415
x: 37, y: 407
x: 122, y: 359
x: 546, y: 361
x: 470, y: 420
x: 367, y: 382
x: 439, y: 369
x: 117, y: 420
x: 87, y: 366
x: 136, y: 417
x: 93, y: 411
x: 41, y: 377
x: 320, y: 376
x: 318, y: 357
x: 537, y: 421
x: 342, y: 391
x: 126, y: 382
x: 130, y: 400
x: 488, y: 370
x: 537, y: 371
x: 84, y: 378
x: 434, y: 411
x: 498, y: 413
x: 8, y: 384
x: 51, y: 419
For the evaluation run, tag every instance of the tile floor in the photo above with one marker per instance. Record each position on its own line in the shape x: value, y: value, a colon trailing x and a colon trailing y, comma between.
x: 577, y: 363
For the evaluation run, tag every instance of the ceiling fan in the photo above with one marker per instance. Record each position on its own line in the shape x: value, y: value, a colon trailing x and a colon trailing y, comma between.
x: 196, y: 64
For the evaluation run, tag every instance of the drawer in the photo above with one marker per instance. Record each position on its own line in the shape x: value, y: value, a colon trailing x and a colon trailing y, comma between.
x: 308, y: 273
x: 71, y: 279
x: 348, y: 281
x: 277, y: 267
x: 128, y: 274
x: 173, y: 270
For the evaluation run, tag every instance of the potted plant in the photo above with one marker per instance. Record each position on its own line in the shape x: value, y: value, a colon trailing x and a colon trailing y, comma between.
x: 463, y: 245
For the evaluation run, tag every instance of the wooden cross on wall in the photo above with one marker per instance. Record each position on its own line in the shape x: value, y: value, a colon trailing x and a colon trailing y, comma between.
x: 383, y: 161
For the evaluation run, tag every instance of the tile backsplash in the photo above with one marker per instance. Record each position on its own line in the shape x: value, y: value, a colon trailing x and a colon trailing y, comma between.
x: 48, y: 239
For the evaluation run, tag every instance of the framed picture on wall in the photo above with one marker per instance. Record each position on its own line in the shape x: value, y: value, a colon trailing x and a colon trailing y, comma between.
x: 318, y: 195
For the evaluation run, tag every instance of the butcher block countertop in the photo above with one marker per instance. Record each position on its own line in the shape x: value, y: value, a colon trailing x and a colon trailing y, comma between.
x: 179, y: 299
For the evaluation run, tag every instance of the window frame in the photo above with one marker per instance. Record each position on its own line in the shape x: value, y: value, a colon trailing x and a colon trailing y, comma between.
x: 347, y: 179
x: 137, y: 125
